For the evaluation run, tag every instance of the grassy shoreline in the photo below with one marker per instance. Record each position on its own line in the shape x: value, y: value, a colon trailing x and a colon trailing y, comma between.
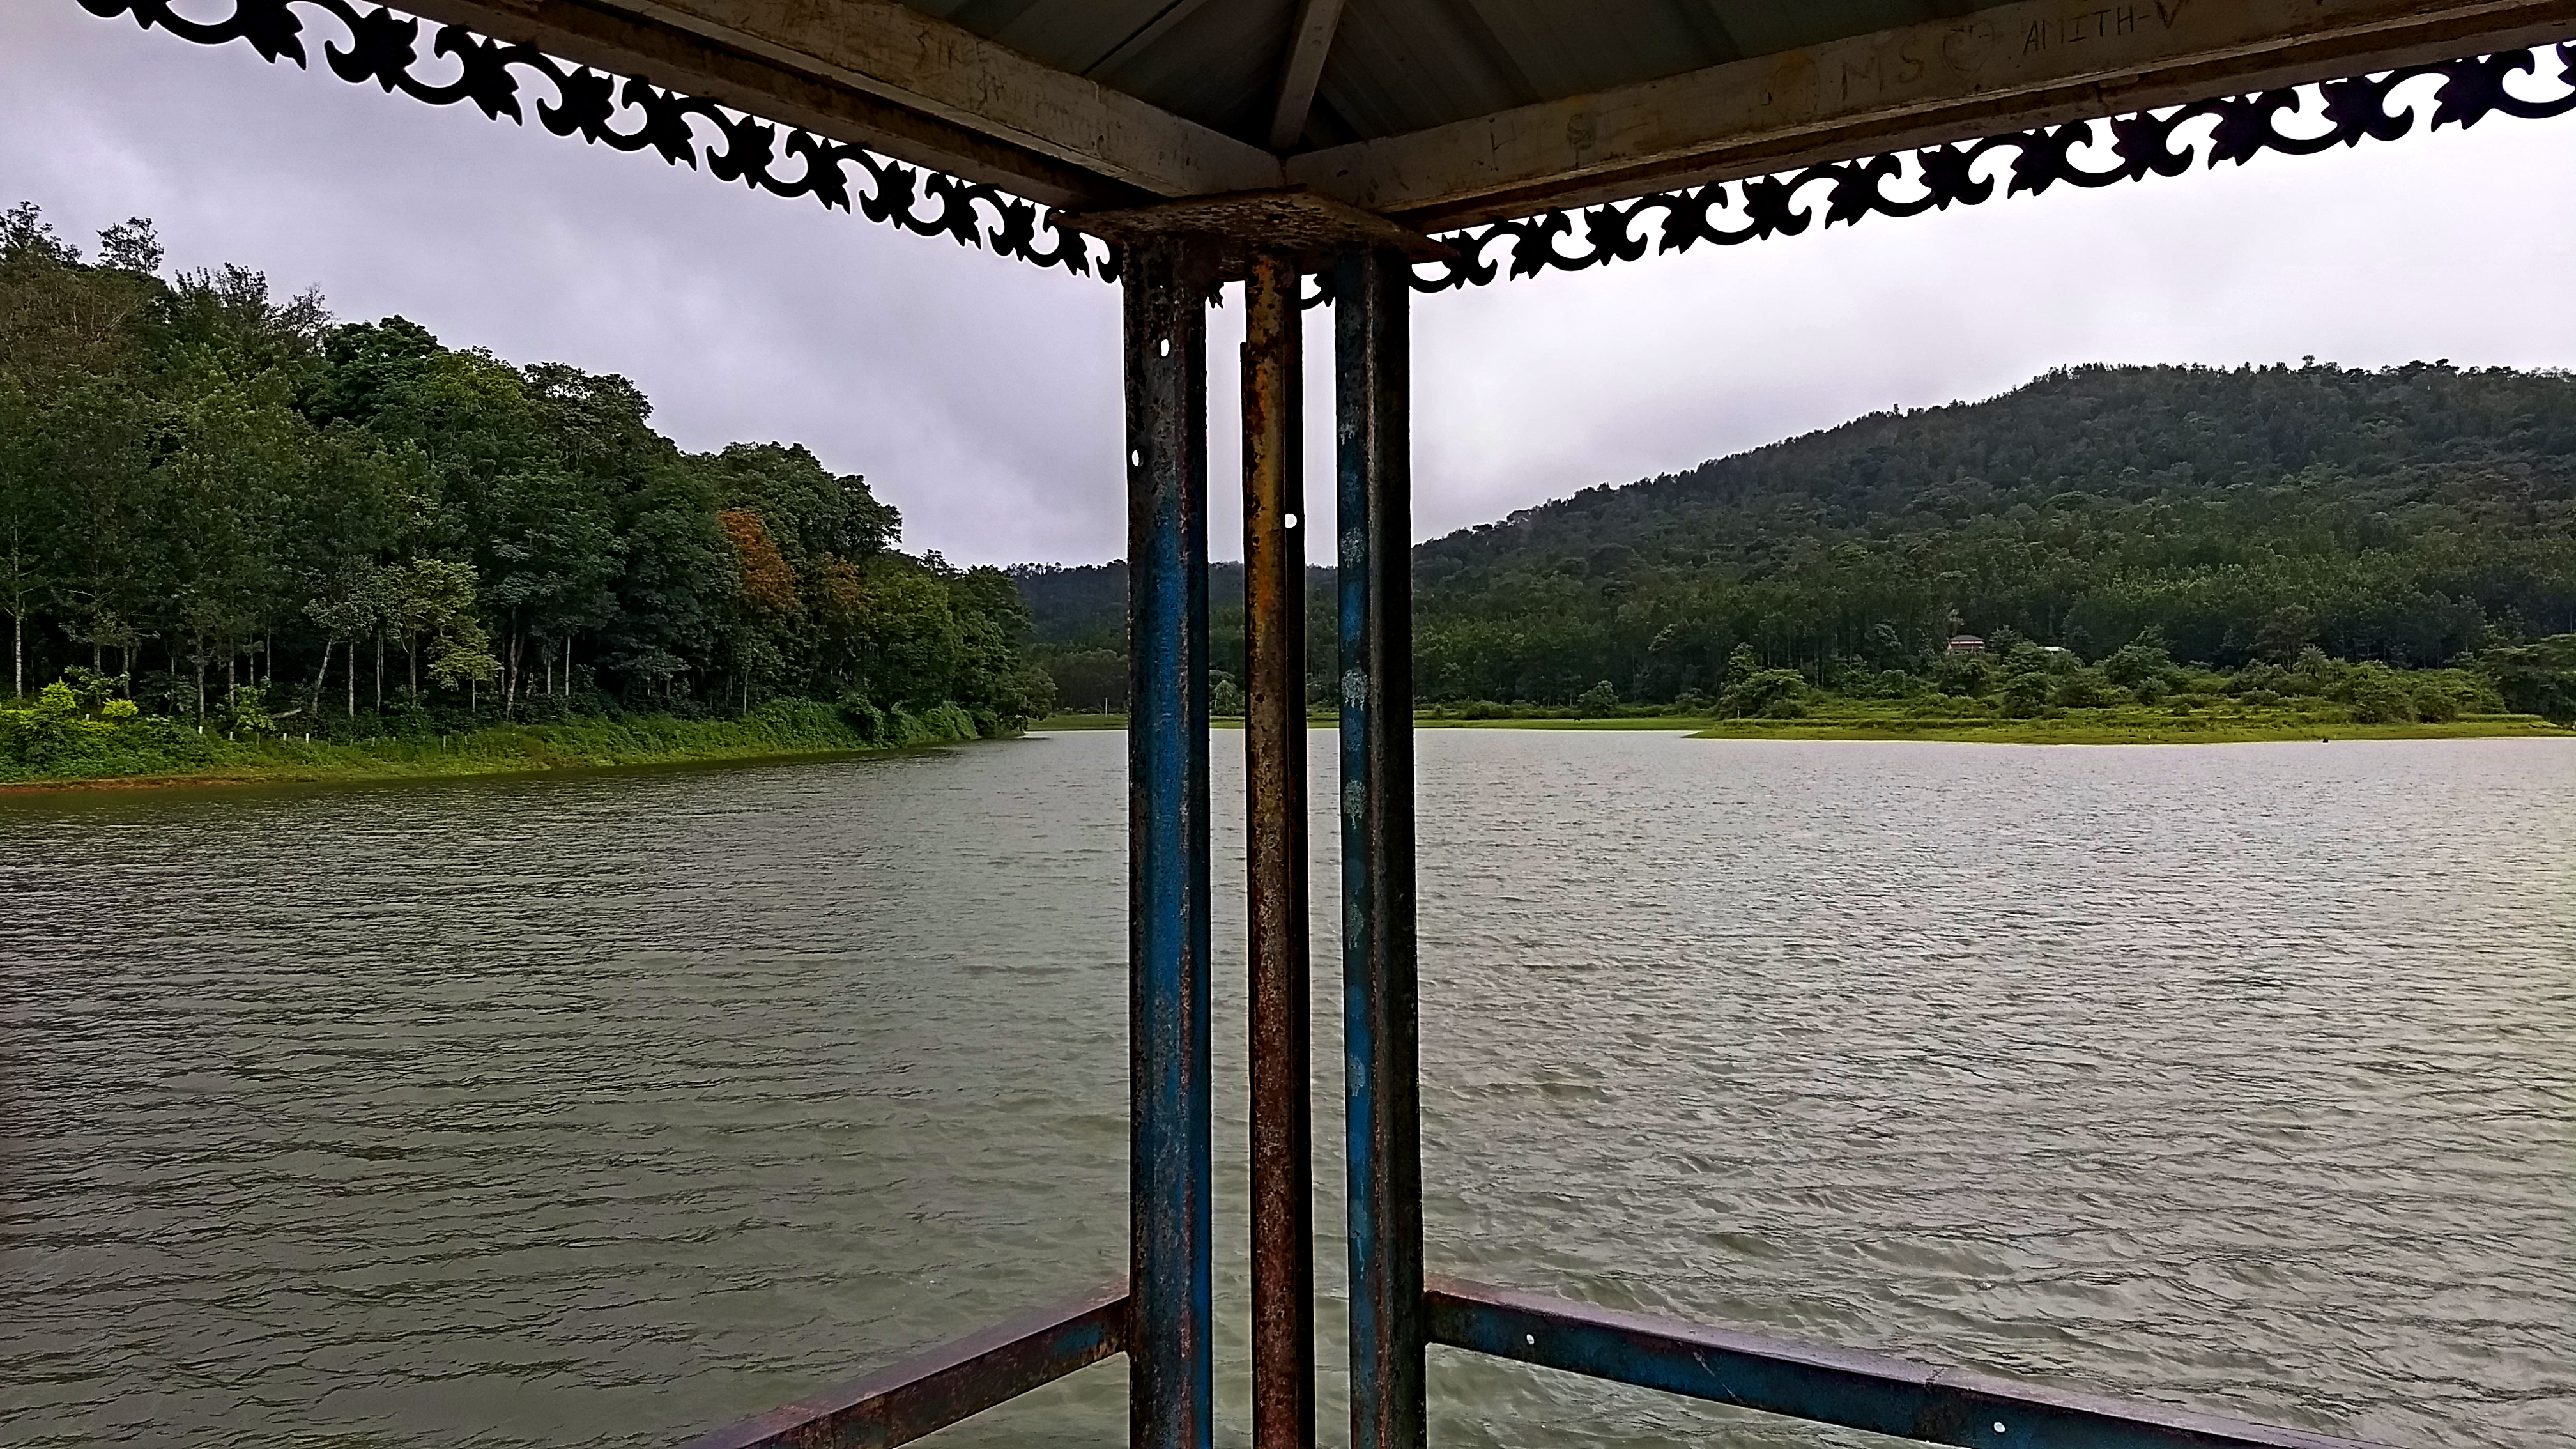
x: 605, y: 744
x: 2089, y: 727
x: 2180, y: 731
x: 589, y: 744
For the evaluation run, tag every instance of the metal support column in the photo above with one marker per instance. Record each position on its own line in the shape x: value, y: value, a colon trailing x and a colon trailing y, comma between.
x: 1372, y: 345
x: 1274, y: 752
x: 1170, y: 1379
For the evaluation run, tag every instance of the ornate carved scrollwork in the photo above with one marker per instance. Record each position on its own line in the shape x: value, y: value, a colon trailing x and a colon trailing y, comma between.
x: 2148, y: 144
x: 384, y: 47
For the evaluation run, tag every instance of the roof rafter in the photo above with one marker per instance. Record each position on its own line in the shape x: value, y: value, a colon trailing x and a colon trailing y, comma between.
x: 1310, y: 40
x: 1146, y: 34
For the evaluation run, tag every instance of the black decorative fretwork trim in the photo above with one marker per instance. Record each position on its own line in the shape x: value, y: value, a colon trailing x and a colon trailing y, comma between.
x: 2143, y: 145
x: 383, y: 47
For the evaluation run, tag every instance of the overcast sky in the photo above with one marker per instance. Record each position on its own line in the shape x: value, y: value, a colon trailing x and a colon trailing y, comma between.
x: 981, y: 396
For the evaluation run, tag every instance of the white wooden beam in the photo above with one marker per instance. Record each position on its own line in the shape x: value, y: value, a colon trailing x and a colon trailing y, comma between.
x: 880, y: 74
x: 2040, y: 62
x: 1310, y: 40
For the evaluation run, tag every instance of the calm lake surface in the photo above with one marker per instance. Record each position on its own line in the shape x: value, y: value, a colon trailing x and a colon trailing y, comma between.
x: 598, y: 1110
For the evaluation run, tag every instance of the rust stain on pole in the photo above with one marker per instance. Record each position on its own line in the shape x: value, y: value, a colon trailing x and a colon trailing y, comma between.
x: 1274, y: 742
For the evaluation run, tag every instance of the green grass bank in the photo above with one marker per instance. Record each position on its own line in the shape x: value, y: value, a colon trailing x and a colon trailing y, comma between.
x: 38, y: 752
x: 2111, y: 730
x: 1856, y: 720
x: 81, y: 753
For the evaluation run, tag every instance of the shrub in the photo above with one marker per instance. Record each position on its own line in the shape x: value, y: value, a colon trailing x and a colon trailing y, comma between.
x: 2443, y: 695
x: 2534, y: 678
x: 1966, y: 675
x: 2375, y: 695
x: 246, y: 712
x: 2083, y: 689
x: 1755, y: 693
x: 1894, y: 684
x: 2025, y: 696
x: 2137, y: 664
x: 862, y: 716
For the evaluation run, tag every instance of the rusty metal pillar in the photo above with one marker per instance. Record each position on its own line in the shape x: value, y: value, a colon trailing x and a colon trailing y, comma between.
x: 1274, y: 752
x: 1170, y: 1378
x: 1372, y: 345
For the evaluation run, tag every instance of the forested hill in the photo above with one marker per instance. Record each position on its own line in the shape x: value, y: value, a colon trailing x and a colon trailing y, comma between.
x: 2405, y: 515
x: 220, y: 506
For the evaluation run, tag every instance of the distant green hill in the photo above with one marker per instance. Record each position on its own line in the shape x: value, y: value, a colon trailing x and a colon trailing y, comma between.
x: 2408, y: 515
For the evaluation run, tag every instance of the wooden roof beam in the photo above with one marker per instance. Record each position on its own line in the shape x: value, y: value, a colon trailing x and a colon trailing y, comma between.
x: 1298, y: 224
x: 1310, y: 40
x: 2041, y: 62
x: 879, y: 74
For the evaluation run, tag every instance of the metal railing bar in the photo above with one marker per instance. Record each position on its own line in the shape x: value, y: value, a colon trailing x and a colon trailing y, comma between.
x: 949, y: 1383
x: 1823, y: 1383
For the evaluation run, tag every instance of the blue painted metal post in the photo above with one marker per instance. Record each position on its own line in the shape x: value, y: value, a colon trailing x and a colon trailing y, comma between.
x: 1372, y: 345
x: 1170, y: 1380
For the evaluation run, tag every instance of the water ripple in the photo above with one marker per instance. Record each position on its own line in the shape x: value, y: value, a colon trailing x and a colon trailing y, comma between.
x: 595, y: 1110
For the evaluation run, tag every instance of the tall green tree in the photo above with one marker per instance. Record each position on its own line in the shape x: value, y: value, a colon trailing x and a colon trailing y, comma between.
x: 281, y: 505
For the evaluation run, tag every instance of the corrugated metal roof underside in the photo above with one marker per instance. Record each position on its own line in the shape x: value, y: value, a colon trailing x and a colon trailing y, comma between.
x: 1407, y: 65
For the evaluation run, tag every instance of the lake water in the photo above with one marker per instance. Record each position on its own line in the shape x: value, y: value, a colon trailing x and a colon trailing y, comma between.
x: 598, y: 1110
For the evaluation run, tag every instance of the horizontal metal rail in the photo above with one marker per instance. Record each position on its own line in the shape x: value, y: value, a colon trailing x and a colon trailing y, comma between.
x: 945, y: 1385
x: 1830, y: 1385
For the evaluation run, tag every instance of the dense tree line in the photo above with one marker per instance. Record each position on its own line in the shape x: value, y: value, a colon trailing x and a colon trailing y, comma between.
x: 2408, y: 516
x: 1080, y: 630
x: 217, y: 503
x: 2412, y: 517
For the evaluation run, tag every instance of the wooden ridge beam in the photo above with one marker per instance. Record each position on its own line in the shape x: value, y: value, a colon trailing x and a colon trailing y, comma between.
x: 2041, y: 62
x: 1310, y: 41
x: 1296, y: 224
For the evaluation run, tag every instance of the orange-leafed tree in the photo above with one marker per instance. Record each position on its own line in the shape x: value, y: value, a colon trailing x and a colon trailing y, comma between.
x: 768, y: 609
x: 768, y: 585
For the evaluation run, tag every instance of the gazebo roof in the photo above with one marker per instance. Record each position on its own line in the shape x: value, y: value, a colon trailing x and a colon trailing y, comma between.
x: 1406, y: 65
x: 1442, y: 113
